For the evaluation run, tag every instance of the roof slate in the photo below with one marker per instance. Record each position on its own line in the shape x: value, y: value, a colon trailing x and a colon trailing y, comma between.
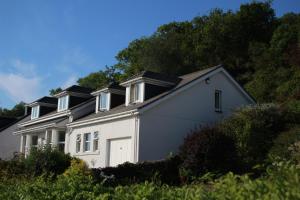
x: 79, y: 89
x: 46, y: 99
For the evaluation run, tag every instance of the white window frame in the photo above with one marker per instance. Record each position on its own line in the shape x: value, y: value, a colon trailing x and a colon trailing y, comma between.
x: 63, y: 105
x: 85, y: 142
x: 35, y: 112
x: 218, y: 100
x: 78, y: 143
x: 103, y: 94
x: 96, y: 141
x: 135, y: 93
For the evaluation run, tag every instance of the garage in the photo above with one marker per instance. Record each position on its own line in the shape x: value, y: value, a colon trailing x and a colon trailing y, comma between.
x: 119, y: 151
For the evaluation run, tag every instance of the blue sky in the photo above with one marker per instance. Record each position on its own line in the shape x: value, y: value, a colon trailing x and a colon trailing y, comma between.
x: 51, y: 43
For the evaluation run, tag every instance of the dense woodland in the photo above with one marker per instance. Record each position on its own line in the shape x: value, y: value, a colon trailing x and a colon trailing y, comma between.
x: 260, y: 49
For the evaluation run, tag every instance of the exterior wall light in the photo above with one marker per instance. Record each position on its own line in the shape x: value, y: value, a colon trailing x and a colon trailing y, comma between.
x: 207, y: 80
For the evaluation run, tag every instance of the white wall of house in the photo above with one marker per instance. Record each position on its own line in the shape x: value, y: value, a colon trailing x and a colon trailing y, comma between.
x: 9, y: 143
x: 163, y: 127
x: 107, y: 131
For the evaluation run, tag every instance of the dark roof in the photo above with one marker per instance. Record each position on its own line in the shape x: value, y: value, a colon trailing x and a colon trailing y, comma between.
x: 46, y: 99
x: 185, y: 79
x: 79, y: 89
x: 113, y: 85
x: 156, y: 76
x: 2, y: 128
x: 62, y: 121
x: 72, y: 108
x: 6, y: 121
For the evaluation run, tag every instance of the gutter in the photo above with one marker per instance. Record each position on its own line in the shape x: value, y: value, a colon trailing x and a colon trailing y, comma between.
x: 34, y: 129
x: 104, y: 118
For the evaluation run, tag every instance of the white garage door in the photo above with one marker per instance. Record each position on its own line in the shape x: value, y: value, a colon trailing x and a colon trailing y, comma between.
x: 119, y: 151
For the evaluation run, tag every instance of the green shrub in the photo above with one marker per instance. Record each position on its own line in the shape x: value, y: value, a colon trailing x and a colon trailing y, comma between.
x: 207, y: 150
x: 253, y: 129
x: 164, y: 171
x: 281, y: 181
x: 285, y: 145
x: 47, y: 160
x: 12, y: 169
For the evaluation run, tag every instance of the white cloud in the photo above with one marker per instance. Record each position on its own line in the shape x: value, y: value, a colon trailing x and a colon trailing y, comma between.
x: 70, y: 81
x: 20, y: 88
x: 21, y: 67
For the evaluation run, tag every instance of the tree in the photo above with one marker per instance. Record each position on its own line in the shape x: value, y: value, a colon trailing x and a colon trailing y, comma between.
x: 17, y: 111
x: 55, y: 91
x: 101, y: 78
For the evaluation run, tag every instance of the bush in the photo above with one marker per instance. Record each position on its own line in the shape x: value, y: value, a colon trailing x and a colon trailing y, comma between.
x: 47, y: 161
x: 281, y: 181
x: 12, y: 169
x: 208, y: 150
x: 253, y: 129
x: 165, y: 171
x: 285, y: 145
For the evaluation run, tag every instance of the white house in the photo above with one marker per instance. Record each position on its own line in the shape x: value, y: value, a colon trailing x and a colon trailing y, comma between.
x: 144, y: 118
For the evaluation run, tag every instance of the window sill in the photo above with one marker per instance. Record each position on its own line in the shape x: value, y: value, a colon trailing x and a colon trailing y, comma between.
x: 87, y: 153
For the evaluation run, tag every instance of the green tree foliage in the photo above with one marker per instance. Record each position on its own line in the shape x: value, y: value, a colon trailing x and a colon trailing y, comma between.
x: 101, y: 78
x: 254, y: 129
x: 53, y: 92
x: 17, y: 111
x: 47, y: 161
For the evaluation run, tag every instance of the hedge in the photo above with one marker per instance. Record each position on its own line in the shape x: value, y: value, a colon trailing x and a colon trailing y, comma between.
x: 164, y: 171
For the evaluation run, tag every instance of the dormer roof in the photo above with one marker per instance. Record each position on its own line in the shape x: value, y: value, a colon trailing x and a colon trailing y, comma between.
x: 75, y: 90
x: 44, y: 101
x: 110, y: 88
x: 150, y: 75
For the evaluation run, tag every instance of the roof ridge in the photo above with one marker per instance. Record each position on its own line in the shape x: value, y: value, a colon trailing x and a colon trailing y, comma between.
x: 201, y: 70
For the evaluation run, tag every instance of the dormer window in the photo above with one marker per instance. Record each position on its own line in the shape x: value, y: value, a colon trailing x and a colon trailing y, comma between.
x: 103, y: 101
x: 35, y: 112
x: 135, y: 93
x: 63, y: 103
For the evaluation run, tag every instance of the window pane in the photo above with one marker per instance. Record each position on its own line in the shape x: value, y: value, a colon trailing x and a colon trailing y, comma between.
x: 34, y: 140
x: 34, y: 112
x: 49, y: 136
x: 95, y: 141
x: 218, y: 100
x: 63, y: 103
x: 103, y: 101
x: 131, y: 93
x: 78, y: 143
x: 137, y: 92
x: 87, y: 141
x: 61, y: 136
